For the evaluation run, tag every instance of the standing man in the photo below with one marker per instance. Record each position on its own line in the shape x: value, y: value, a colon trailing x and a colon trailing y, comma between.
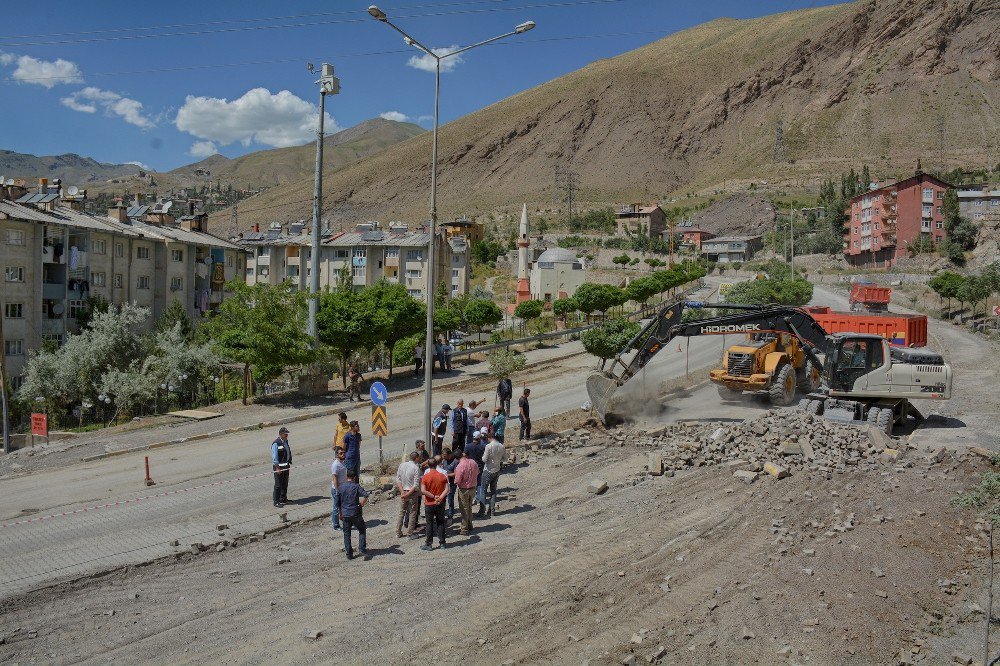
x: 440, y: 427
x: 504, y: 392
x: 525, y: 413
x: 352, y: 449
x: 459, y: 422
x: 439, y: 354
x: 281, y: 464
x: 466, y: 474
x: 448, y: 350
x: 352, y: 498
x: 418, y: 359
x: 499, y: 423
x: 434, y: 488
x: 338, y: 474
x: 493, y: 460
x: 343, y: 427
x: 448, y: 465
x: 408, y: 484
x: 354, y: 379
x: 476, y: 451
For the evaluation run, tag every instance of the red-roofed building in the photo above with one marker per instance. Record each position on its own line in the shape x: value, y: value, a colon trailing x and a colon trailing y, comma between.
x: 883, y: 222
x: 694, y: 237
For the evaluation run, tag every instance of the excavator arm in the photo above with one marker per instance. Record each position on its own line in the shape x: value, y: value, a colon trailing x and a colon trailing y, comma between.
x: 668, y: 324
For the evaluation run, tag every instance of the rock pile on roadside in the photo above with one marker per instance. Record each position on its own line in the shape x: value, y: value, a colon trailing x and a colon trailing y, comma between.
x: 779, y: 442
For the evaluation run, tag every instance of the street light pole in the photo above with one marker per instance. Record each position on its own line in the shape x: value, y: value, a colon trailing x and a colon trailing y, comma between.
x: 328, y: 85
x: 381, y: 16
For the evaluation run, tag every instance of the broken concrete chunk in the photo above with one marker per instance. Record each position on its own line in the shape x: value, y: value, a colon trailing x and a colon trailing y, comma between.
x: 791, y: 449
x: 746, y: 476
x: 655, y: 464
x: 314, y: 634
x: 597, y: 486
x: 777, y: 471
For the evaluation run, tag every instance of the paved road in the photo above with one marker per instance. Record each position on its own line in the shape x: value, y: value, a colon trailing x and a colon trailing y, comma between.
x: 75, y: 520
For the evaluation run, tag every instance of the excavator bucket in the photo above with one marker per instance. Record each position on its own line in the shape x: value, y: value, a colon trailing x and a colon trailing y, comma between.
x: 601, y: 390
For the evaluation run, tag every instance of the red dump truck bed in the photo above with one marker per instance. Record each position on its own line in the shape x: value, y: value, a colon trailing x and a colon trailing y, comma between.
x: 873, y: 294
x: 901, y: 330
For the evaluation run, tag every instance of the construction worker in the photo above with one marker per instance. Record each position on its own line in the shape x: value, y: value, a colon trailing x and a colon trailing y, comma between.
x: 281, y: 464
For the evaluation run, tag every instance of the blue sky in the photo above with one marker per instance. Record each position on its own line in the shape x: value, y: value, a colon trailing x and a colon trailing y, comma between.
x: 165, y: 84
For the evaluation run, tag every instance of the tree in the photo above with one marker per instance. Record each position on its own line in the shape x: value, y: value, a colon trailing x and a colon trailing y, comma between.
x: 598, y: 297
x: 973, y: 290
x: 263, y: 328
x: 94, y: 304
x: 642, y: 289
x: 529, y: 310
x: 607, y: 339
x: 488, y: 250
x: 622, y: 259
x: 946, y: 285
x: 563, y: 306
x: 504, y: 363
x: 771, y: 290
x: 481, y: 313
x: 395, y: 314
x: 175, y: 314
x: 960, y: 231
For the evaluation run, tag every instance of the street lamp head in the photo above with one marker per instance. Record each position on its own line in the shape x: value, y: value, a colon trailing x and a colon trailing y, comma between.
x: 408, y: 41
x: 524, y: 27
x: 377, y: 13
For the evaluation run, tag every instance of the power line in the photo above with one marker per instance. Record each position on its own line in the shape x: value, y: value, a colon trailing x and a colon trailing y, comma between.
x: 248, y: 63
x: 310, y: 24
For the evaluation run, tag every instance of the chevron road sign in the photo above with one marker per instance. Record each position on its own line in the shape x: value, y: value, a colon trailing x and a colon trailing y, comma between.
x: 380, y: 422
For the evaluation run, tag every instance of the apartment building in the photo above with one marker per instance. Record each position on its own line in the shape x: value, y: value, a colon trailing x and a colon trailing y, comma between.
x: 55, y: 257
x: 638, y: 220
x: 980, y: 204
x: 729, y: 249
x: 371, y: 253
x: 884, y: 221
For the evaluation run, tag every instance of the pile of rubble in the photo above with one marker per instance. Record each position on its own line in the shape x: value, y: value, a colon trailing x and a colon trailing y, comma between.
x: 778, y: 442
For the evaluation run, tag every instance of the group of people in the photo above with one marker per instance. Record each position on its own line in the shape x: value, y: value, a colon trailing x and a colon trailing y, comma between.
x: 468, y: 469
x: 442, y: 352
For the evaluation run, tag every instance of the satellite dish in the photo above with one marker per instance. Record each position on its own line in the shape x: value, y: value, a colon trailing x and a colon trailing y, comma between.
x: 73, y: 190
x: 57, y: 309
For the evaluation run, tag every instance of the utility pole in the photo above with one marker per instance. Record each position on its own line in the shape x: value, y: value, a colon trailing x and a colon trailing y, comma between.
x: 566, y: 179
x: 791, y: 239
x: 236, y: 217
x: 328, y: 85
x: 3, y: 384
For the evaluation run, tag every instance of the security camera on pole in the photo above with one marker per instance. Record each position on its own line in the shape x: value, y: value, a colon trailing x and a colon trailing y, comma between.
x: 381, y: 16
x: 328, y: 85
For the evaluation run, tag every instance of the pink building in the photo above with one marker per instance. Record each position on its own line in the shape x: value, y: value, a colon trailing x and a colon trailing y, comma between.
x: 884, y: 222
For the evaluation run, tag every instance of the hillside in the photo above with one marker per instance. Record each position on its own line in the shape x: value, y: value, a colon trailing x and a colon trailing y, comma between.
x: 852, y: 83
x: 73, y: 169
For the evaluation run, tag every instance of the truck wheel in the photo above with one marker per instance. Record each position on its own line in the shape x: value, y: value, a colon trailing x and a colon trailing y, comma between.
x: 815, y: 407
x: 872, y: 416
x: 884, y: 421
x: 727, y: 393
x: 809, y: 378
x: 782, y: 391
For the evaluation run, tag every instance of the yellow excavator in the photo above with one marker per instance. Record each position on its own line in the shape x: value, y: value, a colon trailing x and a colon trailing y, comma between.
x: 771, y: 364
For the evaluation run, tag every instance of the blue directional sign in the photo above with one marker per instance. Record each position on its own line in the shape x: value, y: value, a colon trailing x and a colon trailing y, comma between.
x: 379, y: 393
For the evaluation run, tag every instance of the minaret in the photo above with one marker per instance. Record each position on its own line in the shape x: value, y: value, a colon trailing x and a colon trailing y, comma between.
x: 523, y: 288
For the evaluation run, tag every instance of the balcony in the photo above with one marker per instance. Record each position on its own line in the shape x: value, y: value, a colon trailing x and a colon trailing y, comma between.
x: 53, y: 291
x: 292, y: 261
x: 925, y: 227
x: 49, y: 255
x: 54, y: 326
x: 392, y: 261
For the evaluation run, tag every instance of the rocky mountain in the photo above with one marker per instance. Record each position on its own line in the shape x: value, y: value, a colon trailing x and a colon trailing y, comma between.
x: 882, y: 82
x: 73, y: 169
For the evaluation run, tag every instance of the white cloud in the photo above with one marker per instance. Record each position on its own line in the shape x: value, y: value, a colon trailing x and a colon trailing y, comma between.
x: 48, y: 73
x: 395, y: 115
x: 426, y: 63
x: 202, y: 149
x: 279, y: 119
x: 90, y: 98
x: 144, y: 167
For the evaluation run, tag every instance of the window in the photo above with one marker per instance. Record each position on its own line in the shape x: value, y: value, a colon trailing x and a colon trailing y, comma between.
x: 340, y: 254
x: 939, y: 224
x: 177, y: 255
x: 416, y: 293
x: 264, y: 252
x: 938, y: 209
x: 119, y: 250
x: 392, y: 253
x: 142, y: 252
x: 99, y: 246
x: 142, y: 282
x: 249, y: 272
x: 13, y: 237
x: 414, y: 255
x: 118, y: 280
x: 414, y: 273
x: 16, y: 381
x: 358, y: 271
x: 454, y: 272
x: 76, y: 307
x: 176, y: 283
x: 13, y: 310
x: 230, y: 260
x: 13, y: 347
x: 99, y: 279
x: 14, y: 274
x: 54, y: 339
x: 360, y: 252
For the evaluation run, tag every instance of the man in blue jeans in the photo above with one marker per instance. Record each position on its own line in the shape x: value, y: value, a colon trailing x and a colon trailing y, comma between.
x: 352, y: 448
x: 352, y: 498
x: 338, y: 475
x: 448, y: 464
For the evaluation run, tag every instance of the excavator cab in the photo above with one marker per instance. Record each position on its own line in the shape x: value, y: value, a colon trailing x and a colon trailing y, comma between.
x: 852, y: 357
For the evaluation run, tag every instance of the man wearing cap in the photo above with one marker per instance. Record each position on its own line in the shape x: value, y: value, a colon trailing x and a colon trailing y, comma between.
x: 352, y: 448
x: 439, y: 428
x: 476, y: 451
x: 281, y: 464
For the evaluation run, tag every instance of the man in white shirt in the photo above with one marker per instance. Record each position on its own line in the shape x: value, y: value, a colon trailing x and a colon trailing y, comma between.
x: 418, y: 358
x: 338, y: 477
x: 493, y: 460
x: 408, y: 484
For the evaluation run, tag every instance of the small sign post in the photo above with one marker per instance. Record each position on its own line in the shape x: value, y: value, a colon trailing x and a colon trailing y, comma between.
x: 380, y: 421
x: 39, y: 427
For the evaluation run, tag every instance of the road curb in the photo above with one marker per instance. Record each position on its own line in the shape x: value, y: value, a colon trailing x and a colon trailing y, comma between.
x: 270, y: 424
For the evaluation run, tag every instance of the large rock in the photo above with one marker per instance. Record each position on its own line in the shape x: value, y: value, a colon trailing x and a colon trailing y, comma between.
x: 746, y: 476
x: 777, y: 471
x: 597, y: 487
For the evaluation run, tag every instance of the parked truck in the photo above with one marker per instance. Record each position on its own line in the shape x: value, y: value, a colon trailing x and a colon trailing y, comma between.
x: 869, y: 297
x: 901, y: 330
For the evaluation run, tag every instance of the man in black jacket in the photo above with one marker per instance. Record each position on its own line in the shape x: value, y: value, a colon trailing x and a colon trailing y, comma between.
x: 281, y: 464
x: 505, y: 390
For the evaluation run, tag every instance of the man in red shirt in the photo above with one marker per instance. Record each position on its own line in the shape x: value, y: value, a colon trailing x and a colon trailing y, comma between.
x: 466, y: 474
x: 434, y: 488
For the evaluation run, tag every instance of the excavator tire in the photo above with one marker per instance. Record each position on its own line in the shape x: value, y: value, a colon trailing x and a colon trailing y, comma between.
x: 782, y: 391
x: 809, y: 379
x: 815, y: 407
x: 872, y: 416
x: 884, y: 421
x: 727, y: 393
